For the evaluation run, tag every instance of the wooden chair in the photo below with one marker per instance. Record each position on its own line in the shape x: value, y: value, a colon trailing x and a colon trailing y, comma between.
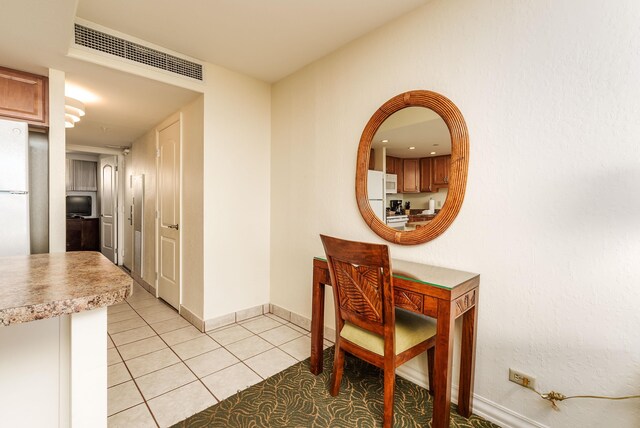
x: 367, y: 323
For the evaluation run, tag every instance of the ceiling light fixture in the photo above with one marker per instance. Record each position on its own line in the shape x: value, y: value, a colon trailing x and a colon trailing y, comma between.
x: 73, y: 111
x: 433, y: 153
x: 412, y: 148
x: 74, y: 105
x: 71, y: 114
x: 385, y: 141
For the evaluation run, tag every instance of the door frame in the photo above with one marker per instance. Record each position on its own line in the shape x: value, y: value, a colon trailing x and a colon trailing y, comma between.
x: 92, y: 150
x: 176, y: 117
x: 134, y: 219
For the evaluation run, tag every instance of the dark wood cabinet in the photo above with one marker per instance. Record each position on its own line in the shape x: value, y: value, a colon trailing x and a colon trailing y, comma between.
x: 83, y: 234
x: 399, y: 172
x: 25, y: 97
x: 440, y: 167
x: 411, y: 176
x: 425, y: 175
x: 391, y: 165
x: 395, y: 166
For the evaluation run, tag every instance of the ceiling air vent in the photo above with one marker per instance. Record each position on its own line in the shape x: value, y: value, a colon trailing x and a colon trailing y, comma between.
x: 103, y: 42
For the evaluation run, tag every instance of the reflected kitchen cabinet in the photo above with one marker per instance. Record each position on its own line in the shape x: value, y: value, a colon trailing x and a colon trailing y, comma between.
x: 411, y: 176
x: 425, y: 175
x: 392, y: 163
x: 395, y: 166
x: 440, y: 166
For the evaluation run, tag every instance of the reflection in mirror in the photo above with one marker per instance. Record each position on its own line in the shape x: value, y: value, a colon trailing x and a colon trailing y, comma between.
x: 409, y: 168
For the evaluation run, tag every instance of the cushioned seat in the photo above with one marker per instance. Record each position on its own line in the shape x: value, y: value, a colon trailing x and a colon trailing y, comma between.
x: 411, y: 329
x: 369, y: 326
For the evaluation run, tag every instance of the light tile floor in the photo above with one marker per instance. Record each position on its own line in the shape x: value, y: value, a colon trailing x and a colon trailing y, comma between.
x: 162, y: 369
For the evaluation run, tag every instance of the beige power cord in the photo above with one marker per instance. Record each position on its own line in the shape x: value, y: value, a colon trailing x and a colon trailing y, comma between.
x: 553, y: 397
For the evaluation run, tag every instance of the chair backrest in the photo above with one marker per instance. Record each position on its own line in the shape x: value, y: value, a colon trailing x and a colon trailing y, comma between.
x: 362, y: 290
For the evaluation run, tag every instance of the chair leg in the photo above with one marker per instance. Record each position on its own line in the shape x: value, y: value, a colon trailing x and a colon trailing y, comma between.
x: 338, y: 367
x: 389, y: 389
x: 431, y: 354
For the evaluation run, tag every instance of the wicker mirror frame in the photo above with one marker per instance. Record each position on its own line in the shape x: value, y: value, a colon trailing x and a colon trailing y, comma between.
x: 459, y: 166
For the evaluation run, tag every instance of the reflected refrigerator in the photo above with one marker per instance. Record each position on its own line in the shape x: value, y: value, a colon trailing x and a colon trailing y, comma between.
x: 375, y: 192
x: 14, y: 188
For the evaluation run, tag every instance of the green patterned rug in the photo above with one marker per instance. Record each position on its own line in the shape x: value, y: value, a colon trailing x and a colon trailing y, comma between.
x: 297, y: 398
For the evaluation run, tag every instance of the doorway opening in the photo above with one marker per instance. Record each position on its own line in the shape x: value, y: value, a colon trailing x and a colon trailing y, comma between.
x: 94, y: 197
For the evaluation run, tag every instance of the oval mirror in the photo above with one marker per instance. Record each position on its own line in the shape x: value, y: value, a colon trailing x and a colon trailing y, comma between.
x: 411, y: 171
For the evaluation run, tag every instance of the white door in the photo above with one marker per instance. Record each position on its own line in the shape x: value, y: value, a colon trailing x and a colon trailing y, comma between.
x: 108, y: 200
x: 169, y: 214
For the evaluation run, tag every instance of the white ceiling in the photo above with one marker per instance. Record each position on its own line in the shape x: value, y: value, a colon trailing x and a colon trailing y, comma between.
x: 265, y: 39
x: 416, y: 127
x: 124, y: 108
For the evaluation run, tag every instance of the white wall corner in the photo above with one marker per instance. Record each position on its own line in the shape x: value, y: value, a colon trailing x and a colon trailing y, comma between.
x: 57, y: 153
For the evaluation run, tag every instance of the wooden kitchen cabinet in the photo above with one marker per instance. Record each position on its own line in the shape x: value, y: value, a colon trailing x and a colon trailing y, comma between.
x: 399, y: 172
x: 24, y: 97
x: 440, y: 170
x: 395, y: 166
x: 411, y: 176
x: 425, y: 175
x: 83, y: 234
x: 391, y: 165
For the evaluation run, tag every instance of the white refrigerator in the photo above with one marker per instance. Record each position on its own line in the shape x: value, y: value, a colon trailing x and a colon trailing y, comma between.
x: 14, y: 188
x: 375, y: 192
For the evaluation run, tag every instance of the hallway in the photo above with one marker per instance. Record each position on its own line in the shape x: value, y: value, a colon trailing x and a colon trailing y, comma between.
x: 161, y: 369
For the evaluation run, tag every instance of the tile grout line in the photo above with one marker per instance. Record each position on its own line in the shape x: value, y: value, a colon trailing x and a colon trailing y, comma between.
x: 144, y: 400
x: 280, y: 321
x: 185, y: 364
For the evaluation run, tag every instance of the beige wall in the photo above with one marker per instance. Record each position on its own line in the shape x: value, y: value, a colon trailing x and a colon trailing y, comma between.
x: 237, y: 128
x: 225, y: 154
x: 192, y: 206
x: 542, y: 87
x: 142, y: 160
x: 57, y: 188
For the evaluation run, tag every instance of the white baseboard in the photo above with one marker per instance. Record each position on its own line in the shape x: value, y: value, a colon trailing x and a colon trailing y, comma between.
x: 501, y: 415
x: 192, y: 318
x: 230, y: 318
x: 482, y: 407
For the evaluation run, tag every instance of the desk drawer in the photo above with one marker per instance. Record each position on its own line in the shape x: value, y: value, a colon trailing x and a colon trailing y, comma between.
x: 407, y: 300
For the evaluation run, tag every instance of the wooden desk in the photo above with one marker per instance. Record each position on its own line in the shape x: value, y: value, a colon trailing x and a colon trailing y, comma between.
x: 444, y: 294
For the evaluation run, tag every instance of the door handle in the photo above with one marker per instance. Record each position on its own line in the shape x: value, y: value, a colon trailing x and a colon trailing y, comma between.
x: 173, y: 226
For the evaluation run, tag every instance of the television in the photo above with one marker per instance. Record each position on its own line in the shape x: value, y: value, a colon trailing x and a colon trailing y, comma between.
x: 78, y: 206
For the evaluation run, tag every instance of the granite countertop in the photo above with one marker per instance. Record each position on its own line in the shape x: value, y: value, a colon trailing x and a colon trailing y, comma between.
x: 49, y: 285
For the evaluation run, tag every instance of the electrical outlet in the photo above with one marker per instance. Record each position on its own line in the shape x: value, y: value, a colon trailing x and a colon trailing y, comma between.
x: 522, y: 379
